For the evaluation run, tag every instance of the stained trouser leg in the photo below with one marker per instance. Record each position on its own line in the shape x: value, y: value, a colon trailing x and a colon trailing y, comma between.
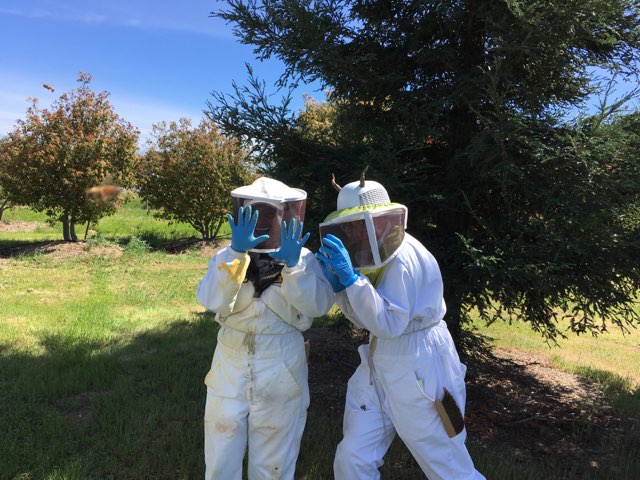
x: 367, y: 430
x: 278, y: 413
x: 225, y: 436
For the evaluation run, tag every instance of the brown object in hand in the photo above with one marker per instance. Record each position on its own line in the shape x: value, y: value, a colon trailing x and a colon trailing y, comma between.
x: 450, y: 414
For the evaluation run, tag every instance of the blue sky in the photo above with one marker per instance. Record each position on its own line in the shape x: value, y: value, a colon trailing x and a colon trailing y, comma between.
x: 159, y: 59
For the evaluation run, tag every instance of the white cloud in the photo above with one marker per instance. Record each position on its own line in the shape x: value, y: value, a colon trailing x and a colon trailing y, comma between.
x: 142, y: 14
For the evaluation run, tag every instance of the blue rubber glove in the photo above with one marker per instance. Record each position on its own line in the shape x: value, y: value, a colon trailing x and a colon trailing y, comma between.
x: 338, y: 259
x: 242, y: 239
x: 328, y: 273
x: 290, y: 243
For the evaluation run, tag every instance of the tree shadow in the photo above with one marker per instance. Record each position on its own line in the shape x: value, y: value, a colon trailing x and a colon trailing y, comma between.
x: 562, y: 431
x: 16, y: 248
x: 94, y: 407
x: 103, y: 409
x: 145, y: 241
x: 181, y: 245
x: 535, y: 412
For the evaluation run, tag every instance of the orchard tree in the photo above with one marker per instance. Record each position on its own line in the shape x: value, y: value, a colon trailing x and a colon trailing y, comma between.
x: 462, y: 110
x: 53, y: 157
x: 5, y: 202
x: 188, y: 173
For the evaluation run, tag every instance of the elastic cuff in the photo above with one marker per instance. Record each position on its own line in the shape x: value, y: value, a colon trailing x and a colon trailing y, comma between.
x: 287, y: 269
x: 237, y: 254
x: 351, y: 281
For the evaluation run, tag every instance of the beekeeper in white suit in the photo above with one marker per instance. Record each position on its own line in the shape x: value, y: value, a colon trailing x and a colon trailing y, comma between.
x: 265, y: 289
x: 410, y: 380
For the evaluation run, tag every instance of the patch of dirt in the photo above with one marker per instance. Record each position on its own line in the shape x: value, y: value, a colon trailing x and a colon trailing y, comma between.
x: 59, y: 249
x: 207, y: 248
x: 333, y: 357
x: 516, y: 402
x: 15, y: 227
x: 73, y: 249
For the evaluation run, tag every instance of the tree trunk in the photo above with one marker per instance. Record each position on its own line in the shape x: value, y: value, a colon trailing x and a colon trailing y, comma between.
x: 215, y: 234
x: 453, y: 320
x: 4, y: 206
x: 65, y: 227
x: 72, y: 229
x: 86, y: 232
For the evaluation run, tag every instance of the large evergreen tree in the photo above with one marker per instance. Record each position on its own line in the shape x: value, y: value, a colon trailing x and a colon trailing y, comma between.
x: 460, y: 109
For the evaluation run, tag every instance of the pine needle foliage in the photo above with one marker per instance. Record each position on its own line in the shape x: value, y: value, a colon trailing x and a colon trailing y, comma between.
x: 462, y: 109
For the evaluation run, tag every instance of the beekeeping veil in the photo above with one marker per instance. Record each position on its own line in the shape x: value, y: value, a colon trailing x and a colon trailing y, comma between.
x: 276, y: 202
x: 369, y: 225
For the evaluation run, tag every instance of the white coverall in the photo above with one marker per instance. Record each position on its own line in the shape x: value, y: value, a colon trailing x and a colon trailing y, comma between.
x: 409, y: 359
x: 257, y: 390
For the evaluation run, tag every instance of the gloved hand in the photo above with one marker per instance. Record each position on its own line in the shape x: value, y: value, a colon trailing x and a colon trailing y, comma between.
x: 328, y: 273
x: 338, y: 258
x: 242, y: 239
x: 290, y: 243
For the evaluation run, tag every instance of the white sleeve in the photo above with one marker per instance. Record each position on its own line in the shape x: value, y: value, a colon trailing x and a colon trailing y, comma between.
x: 385, y: 311
x: 219, y: 288
x: 305, y: 287
x: 342, y: 300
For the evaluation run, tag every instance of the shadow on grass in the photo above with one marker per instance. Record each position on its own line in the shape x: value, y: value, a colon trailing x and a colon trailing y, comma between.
x: 521, y: 426
x: 98, y: 408
x: 92, y: 408
x: 16, y: 248
x: 527, y: 411
x: 158, y: 242
x: 140, y: 243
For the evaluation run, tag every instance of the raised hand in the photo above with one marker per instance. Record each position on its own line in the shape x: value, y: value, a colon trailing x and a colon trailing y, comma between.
x: 242, y: 239
x: 337, y: 257
x: 329, y: 274
x: 290, y: 243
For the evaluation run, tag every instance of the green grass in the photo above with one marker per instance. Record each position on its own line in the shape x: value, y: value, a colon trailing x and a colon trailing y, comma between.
x: 614, y: 351
x: 102, y: 360
x: 101, y: 367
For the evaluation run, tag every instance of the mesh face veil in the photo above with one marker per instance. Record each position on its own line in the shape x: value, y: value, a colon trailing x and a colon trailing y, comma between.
x: 276, y: 202
x: 371, y: 235
x: 368, y: 224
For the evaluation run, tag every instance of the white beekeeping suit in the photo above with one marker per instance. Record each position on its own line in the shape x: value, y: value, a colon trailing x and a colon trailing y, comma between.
x: 388, y: 283
x: 257, y: 390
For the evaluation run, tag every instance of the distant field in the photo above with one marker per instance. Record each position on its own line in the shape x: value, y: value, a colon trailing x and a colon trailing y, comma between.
x: 131, y: 220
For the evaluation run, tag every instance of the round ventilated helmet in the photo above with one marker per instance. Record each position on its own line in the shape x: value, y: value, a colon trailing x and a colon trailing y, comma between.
x: 370, y: 226
x: 276, y: 202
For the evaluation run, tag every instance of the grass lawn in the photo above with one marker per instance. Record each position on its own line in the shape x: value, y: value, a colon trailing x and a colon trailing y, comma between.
x: 102, y: 360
